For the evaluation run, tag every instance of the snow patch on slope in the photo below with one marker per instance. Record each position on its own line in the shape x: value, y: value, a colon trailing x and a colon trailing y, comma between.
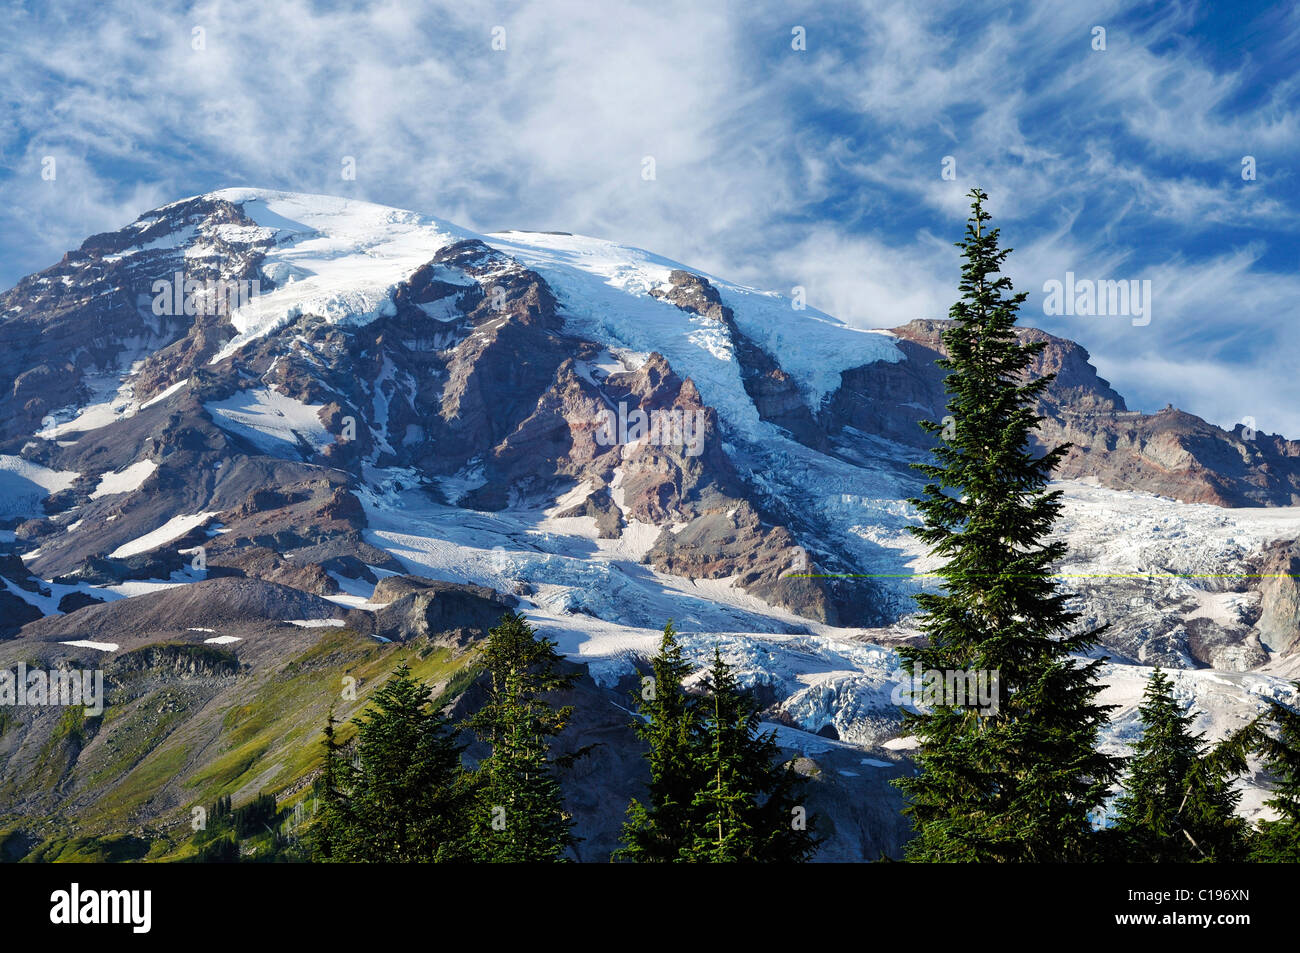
x: 89, y: 644
x: 164, y: 394
x: 174, y: 528
x: 23, y: 485
x: 112, y: 399
x: 124, y: 481
x: 271, y: 421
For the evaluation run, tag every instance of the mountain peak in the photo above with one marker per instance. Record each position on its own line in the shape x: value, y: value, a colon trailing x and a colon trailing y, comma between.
x: 605, y: 437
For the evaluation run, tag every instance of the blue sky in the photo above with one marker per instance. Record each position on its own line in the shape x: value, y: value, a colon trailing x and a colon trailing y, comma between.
x: 774, y: 166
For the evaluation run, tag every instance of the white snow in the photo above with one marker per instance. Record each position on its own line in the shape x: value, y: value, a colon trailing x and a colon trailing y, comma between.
x: 379, y: 402
x: 164, y: 394
x: 47, y: 604
x: 334, y: 257
x: 168, y: 242
x: 271, y: 421
x: 1112, y: 530
x: 112, y: 399
x: 143, y: 587
x: 24, y: 484
x: 242, y: 234
x: 355, y: 593
x: 88, y: 644
x: 317, y: 623
x: 444, y: 309
x: 222, y: 640
x: 125, y: 480
x: 174, y: 528
x: 604, y: 290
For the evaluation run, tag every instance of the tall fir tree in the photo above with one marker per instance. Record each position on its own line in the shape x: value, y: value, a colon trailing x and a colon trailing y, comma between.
x: 747, y: 809
x: 1017, y: 783
x: 404, y: 797
x: 669, y: 723
x: 519, y: 814
x: 408, y: 790
x: 328, y: 830
x: 1278, y: 840
x: 1178, y: 804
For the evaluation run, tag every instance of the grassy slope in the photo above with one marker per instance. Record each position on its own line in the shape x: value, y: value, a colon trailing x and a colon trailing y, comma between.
x: 167, y: 750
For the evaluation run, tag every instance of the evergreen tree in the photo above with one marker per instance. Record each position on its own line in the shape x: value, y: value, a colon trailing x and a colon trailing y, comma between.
x: 1278, y: 841
x: 1213, y: 828
x: 669, y: 724
x: 223, y: 849
x: 255, y: 817
x: 328, y: 830
x: 1018, y: 782
x: 746, y: 809
x: 520, y: 814
x: 404, y: 798
x: 408, y: 790
x: 725, y: 831
x: 1178, y: 803
x: 219, y: 812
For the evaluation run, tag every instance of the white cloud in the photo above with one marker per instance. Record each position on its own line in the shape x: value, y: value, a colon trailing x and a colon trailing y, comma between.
x: 773, y: 167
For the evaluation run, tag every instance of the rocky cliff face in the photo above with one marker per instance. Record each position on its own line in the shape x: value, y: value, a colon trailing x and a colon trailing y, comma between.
x: 1279, y: 610
x: 776, y: 395
x: 1170, y: 453
x: 71, y: 328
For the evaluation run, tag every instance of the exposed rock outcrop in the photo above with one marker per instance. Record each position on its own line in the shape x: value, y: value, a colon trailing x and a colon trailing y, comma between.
x: 1170, y: 453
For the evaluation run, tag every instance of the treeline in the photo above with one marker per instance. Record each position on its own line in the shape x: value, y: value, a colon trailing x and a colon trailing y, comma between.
x: 260, y: 825
x: 402, y: 791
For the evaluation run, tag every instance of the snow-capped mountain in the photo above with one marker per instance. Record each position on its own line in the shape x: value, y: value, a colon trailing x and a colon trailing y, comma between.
x: 255, y: 419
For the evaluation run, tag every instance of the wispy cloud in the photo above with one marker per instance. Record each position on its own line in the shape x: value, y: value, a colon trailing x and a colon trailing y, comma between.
x: 821, y: 167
